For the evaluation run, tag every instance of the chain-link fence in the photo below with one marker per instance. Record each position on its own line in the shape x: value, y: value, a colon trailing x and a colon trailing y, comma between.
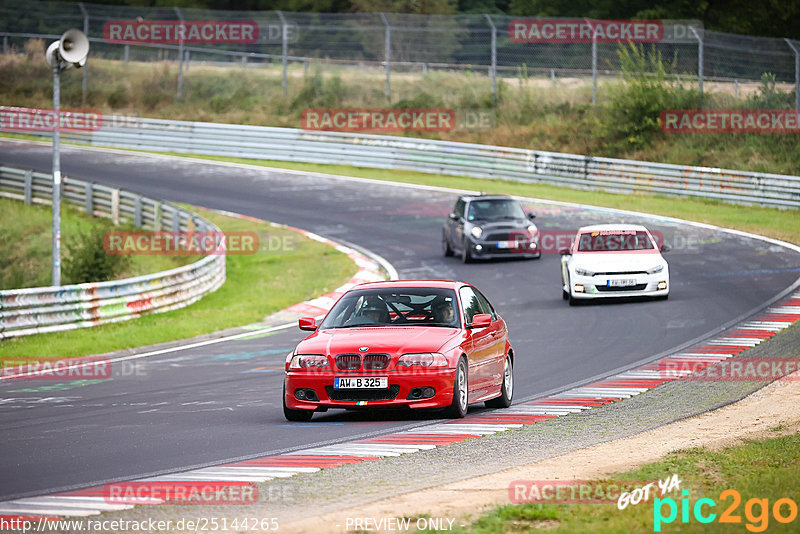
x: 402, y: 43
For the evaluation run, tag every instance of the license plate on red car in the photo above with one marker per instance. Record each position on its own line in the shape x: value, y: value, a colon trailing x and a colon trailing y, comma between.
x: 361, y: 382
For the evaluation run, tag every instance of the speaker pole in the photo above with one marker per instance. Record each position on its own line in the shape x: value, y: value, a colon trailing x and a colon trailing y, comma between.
x: 57, y: 176
x: 69, y: 51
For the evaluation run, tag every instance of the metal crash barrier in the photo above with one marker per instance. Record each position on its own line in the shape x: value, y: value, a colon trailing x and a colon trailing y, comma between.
x: 51, y: 309
x: 443, y: 157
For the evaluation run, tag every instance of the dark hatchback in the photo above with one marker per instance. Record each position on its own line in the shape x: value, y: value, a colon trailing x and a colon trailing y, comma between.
x: 490, y: 226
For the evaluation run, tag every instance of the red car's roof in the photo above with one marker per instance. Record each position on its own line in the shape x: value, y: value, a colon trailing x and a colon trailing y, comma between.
x: 448, y: 284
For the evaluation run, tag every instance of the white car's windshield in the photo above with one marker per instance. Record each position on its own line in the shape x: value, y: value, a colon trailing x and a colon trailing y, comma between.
x: 395, y: 307
x: 614, y: 240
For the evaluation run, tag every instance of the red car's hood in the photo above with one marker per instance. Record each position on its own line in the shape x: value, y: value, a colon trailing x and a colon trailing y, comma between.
x: 389, y: 340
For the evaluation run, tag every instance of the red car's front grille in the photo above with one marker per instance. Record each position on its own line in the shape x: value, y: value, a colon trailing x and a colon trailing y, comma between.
x: 376, y: 362
x: 348, y: 362
x: 353, y: 395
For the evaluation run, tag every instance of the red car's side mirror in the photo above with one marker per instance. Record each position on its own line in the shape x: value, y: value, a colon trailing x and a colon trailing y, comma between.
x: 480, y: 320
x: 307, y: 323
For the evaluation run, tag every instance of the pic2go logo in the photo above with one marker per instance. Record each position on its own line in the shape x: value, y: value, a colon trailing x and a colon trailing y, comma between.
x: 756, y: 511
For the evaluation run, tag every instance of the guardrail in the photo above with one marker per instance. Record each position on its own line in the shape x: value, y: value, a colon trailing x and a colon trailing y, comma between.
x: 444, y: 157
x: 50, y: 309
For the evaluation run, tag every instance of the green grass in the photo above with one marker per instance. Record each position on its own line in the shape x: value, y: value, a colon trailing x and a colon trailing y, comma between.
x: 25, y: 240
x: 771, y: 222
x: 256, y: 286
x: 763, y: 469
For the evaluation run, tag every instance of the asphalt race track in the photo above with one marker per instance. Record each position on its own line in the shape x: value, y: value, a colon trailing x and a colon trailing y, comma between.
x: 222, y: 402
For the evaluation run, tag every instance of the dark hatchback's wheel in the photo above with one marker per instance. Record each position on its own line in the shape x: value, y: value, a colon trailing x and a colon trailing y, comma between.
x: 297, y: 416
x: 507, y: 389
x: 458, y: 408
x: 466, y: 255
x: 446, y: 249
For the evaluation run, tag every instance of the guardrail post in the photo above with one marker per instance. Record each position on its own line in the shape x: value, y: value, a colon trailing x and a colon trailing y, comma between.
x: 84, y: 83
x: 180, y: 51
x: 158, y: 222
x: 284, y: 50
x: 176, y: 221
x: 699, y: 63
x: 88, y: 201
x: 796, y: 74
x: 137, y: 211
x: 28, y: 187
x: 187, y: 60
x: 126, y: 54
x: 5, y: 44
x: 493, y: 69
x: 387, y: 90
x: 115, y: 206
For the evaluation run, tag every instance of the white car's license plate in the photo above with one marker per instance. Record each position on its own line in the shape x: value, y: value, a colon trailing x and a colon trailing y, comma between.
x: 505, y: 244
x: 625, y: 282
x: 361, y: 382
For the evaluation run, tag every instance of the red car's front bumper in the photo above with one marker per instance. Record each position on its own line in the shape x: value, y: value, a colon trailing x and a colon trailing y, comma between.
x: 403, y: 382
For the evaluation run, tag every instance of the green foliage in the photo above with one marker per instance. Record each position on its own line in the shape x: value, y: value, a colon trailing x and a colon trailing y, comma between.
x: 420, y: 100
x: 319, y: 92
x: 637, y: 104
x: 769, y: 97
x: 87, y: 261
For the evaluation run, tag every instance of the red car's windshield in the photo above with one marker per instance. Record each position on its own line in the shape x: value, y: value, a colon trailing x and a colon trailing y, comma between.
x: 395, y: 307
x: 614, y: 241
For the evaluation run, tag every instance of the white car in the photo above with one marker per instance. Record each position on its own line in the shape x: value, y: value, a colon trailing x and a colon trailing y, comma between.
x: 614, y: 260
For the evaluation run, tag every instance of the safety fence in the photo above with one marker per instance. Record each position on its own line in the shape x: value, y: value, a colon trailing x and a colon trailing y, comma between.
x: 51, y: 309
x: 444, y: 157
x: 406, y: 42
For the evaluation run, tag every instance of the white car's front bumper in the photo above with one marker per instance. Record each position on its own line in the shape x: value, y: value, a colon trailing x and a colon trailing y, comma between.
x: 603, y: 286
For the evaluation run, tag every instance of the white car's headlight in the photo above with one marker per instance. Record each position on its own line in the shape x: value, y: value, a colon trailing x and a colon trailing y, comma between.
x: 425, y: 359
x: 308, y: 361
x: 656, y: 269
x: 532, y: 228
x: 584, y: 272
x: 476, y: 232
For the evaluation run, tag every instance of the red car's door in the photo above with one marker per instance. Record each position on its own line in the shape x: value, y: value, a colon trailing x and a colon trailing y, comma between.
x: 482, y: 340
x: 499, y: 335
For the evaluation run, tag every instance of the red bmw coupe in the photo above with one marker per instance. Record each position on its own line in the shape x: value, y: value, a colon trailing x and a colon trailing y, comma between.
x: 409, y: 343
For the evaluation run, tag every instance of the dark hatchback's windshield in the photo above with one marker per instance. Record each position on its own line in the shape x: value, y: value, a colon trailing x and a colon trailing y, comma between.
x: 494, y: 210
x: 395, y: 307
x: 614, y: 241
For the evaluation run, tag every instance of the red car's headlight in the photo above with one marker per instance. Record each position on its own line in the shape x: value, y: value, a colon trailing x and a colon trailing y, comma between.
x: 308, y: 361
x: 425, y: 359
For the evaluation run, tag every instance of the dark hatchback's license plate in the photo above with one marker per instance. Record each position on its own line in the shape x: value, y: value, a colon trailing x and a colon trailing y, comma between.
x: 361, y: 382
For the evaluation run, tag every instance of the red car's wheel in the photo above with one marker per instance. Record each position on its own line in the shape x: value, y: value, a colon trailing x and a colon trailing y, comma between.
x: 299, y: 416
x: 506, y: 390
x: 458, y: 408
